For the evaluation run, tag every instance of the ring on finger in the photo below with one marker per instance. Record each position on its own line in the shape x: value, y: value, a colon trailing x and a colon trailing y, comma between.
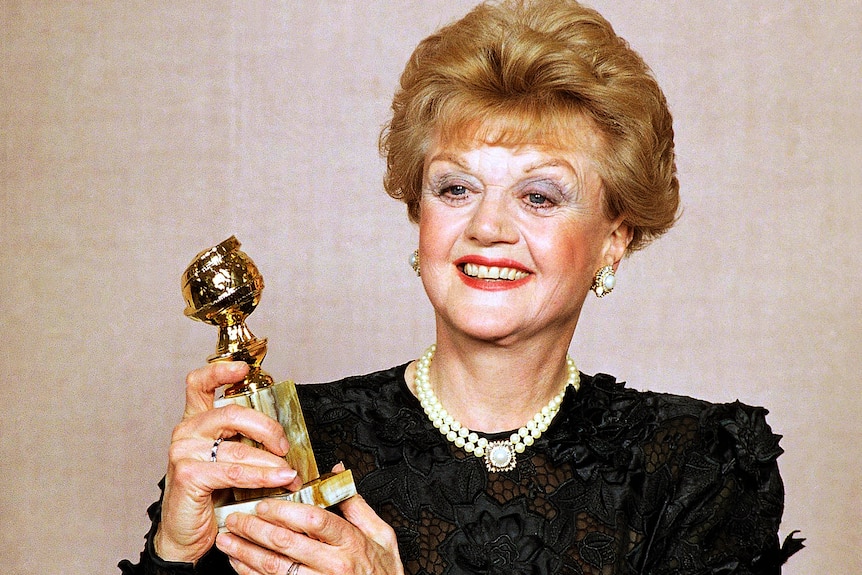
x: 214, y: 450
x: 294, y: 568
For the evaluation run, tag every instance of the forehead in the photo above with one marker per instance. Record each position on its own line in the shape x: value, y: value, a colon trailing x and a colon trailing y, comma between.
x: 500, y: 160
x: 577, y: 144
x: 572, y: 135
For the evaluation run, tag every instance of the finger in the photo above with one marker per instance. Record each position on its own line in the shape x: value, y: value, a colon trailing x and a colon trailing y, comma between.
x: 264, y: 545
x: 202, y: 383
x: 316, y: 538
x: 201, y: 478
x: 292, y: 529
x: 232, y: 420
x: 187, y: 507
x: 318, y: 523
x: 357, y: 511
x: 248, y: 558
x: 225, y: 452
x: 238, y: 566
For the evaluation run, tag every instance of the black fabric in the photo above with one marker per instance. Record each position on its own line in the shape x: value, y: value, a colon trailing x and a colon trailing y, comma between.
x: 623, y: 482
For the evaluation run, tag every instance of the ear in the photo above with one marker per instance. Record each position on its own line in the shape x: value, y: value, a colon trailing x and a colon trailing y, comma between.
x: 617, y: 243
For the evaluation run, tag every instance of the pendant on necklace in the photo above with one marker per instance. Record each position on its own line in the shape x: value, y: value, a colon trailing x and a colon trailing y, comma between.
x: 500, y: 456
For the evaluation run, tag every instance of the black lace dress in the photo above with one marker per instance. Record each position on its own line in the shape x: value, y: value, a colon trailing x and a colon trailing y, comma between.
x: 623, y: 482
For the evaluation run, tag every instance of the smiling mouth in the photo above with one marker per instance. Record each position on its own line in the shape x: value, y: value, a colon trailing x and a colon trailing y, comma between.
x: 492, y: 272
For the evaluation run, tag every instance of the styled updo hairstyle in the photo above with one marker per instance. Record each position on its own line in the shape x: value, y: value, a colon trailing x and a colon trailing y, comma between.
x: 518, y: 72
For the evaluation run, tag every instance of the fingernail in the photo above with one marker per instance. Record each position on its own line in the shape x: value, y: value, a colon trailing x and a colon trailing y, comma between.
x: 286, y: 474
x: 262, y: 507
x: 224, y: 541
x: 284, y: 444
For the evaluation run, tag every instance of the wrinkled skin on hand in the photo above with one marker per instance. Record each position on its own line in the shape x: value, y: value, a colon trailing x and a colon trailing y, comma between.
x: 283, y: 533
x: 188, y: 526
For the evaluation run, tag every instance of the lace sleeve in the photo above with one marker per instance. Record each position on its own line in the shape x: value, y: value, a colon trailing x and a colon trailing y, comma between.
x: 724, y: 512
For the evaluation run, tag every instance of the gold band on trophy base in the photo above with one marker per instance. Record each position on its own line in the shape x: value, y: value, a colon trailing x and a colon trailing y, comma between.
x: 222, y: 286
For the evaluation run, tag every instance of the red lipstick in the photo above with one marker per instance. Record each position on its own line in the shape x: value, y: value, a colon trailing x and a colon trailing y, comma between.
x: 491, y: 284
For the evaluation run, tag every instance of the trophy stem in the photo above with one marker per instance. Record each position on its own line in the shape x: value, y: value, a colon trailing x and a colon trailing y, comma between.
x: 237, y: 343
x: 236, y: 338
x: 256, y: 380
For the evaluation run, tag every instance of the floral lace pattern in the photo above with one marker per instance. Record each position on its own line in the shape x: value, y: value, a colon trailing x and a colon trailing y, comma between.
x: 623, y: 482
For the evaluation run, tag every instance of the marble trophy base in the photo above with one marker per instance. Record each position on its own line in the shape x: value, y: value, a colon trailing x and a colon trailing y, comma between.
x: 280, y: 402
x: 324, y: 491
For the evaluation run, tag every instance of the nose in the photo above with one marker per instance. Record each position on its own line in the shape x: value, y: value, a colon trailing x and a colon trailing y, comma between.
x: 492, y: 221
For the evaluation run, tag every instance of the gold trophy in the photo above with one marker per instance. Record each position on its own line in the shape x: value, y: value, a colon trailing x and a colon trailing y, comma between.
x: 222, y: 286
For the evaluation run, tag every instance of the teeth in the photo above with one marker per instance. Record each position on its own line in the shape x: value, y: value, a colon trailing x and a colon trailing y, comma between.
x: 493, y: 273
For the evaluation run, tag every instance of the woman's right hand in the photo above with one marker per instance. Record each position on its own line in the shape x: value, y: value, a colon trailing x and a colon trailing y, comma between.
x: 188, y: 526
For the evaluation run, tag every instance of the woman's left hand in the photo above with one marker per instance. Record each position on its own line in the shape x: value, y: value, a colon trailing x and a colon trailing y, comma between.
x: 319, y: 542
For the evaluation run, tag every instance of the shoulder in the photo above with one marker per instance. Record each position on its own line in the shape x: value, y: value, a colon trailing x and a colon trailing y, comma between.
x: 619, y: 400
x: 710, y: 469
x: 722, y: 434
x: 616, y: 395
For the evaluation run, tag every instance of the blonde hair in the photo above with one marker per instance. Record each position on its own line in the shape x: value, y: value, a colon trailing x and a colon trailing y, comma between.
x: 517, y: 72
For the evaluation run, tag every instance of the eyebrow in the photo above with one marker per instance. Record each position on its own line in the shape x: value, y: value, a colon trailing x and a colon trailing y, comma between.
x: 449, y: 157
x: 550, y: 163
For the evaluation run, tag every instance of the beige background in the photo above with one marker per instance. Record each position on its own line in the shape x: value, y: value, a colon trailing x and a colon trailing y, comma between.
x: 135, y: 134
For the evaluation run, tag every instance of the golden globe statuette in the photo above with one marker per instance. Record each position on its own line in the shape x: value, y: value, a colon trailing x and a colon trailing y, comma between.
x: 222, y: 286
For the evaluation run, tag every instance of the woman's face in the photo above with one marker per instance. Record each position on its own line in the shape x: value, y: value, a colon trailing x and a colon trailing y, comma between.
x: 511, y: 237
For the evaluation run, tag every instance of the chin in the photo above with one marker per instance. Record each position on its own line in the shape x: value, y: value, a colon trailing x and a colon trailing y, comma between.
x: 492, y: 332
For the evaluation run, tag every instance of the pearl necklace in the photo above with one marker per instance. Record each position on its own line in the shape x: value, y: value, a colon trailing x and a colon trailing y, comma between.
x: 498, y: 455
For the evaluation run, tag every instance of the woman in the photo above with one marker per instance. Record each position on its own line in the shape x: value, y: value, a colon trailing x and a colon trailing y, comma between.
x: 535, y: 150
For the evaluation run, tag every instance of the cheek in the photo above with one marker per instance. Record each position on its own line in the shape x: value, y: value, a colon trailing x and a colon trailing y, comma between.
x: 432, y: 246
x: 427, y: 232
x: 571, y: 250
x: 437, y: 232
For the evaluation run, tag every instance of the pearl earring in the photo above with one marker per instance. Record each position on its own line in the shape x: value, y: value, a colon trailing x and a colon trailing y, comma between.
x: 604, y: 281
x: 414, y: 262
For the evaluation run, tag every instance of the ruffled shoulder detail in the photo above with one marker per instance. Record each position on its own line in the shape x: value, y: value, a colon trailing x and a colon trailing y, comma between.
x: 738, y: 434
x: 599, y: 425
x: 605, y: 417
x: 713, y: 465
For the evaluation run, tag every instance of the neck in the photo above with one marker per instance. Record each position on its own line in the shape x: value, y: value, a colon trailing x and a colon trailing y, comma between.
x: 491, y: 387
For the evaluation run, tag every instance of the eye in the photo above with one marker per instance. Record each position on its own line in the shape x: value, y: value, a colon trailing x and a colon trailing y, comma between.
x: 543, y: 195
x: 454, y: 194
x: 449, y: 186
x: 537, y: 199
x: 540, y: 202
x: 454, y: 191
